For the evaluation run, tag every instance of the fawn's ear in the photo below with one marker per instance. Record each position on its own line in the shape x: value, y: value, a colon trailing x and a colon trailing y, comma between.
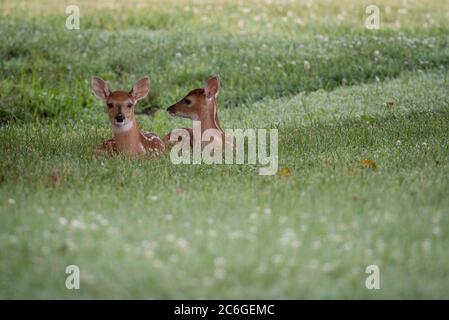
x: 212, y: 87
x: 100, y: 88
x: 140, y: 89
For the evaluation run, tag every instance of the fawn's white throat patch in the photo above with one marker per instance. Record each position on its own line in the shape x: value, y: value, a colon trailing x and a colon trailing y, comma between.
x: 120, y: 127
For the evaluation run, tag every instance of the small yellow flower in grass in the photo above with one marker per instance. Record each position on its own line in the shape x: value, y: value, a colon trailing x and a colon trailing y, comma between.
x: 284, y: 172
x: 368, y: 164
x: 351, y: 171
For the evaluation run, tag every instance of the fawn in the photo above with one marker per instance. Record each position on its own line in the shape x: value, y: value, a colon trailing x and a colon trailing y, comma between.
x: 201, y: 105
x: 127, y: 139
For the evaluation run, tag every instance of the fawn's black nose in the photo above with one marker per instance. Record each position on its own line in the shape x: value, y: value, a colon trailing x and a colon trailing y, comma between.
x: 119, y: 117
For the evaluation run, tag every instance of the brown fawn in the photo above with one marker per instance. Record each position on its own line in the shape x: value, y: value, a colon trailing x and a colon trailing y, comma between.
x: 201, y: 105
x: 128, y: 139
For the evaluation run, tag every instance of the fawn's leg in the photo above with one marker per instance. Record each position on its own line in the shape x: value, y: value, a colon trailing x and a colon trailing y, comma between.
x: 108, y: 147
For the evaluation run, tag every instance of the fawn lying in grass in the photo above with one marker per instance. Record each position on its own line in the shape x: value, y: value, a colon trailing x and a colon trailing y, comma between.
x: 201, y: 105
x: 127, y: 139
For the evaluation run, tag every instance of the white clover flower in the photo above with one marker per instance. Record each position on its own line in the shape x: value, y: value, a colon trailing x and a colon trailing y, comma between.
x: 234, y: 235
x: 219, y: 273
x: 436, y: 231
x: 295, y: 244
x: 212, y: 233
x: 170, y: 237
x: 426, y: 245
x: 158, y: 264
x: 437, y: 217
x: 62, y: 221
x: 277, y: 259
x: 219, y: 261
x: 77, y: 224
x: 306, y: 65
x: 11, y: 201
x: 283, y: 220
x: 182, y: 244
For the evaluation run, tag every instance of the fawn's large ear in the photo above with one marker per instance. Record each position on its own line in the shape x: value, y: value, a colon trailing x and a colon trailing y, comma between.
x: 100, y: 88
x: 212, y: 87
x: 140, y: 89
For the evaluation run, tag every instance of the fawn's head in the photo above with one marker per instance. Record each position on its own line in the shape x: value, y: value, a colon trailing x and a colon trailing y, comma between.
x: 198, y: 101
x: 120, y: 104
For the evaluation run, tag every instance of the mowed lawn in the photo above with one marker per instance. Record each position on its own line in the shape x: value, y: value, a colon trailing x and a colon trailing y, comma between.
x: 363, y: 120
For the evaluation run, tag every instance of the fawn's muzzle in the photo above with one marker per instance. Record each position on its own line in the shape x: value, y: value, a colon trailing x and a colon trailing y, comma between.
x: 171, y: 110
x: 119, y: 118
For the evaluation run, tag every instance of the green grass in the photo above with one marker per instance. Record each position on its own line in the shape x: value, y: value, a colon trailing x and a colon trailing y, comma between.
x: 151, y: 229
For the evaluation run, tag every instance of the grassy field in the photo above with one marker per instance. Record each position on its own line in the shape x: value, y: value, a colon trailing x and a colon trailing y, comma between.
x: 363, y: 120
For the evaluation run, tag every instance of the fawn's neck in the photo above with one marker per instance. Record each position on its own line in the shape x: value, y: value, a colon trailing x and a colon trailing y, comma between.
x: 128, y: 139
x: 209, y: 119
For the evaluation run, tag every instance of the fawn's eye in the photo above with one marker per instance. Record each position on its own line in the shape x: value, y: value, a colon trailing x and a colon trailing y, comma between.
x: 130, y: 105
x: 110, y: 105
x: 187, y: 101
